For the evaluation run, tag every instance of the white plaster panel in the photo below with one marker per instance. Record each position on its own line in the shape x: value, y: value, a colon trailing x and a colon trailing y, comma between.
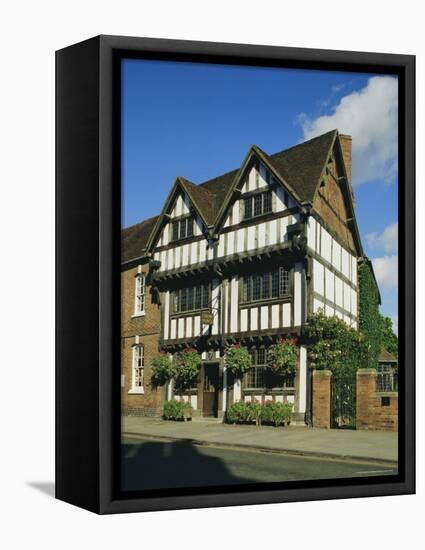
x: 336, y: 255
x: 280, y: 205
x: 220, y: 249
x: 197, y: 327
x: 344, y: 263
x: 188, y: 327
x: 166, y: 313
x: 240, y: 243
x: 329, y: 285
x: 325, y: 251
x: 347, y: 297
x: 318, y: 277
x: 230, y: 243
x: 275, y: 316
x: 354, y: 270
x: 311, y: 233
x: 261, y: 235
x: 272, y: 232
x: 236, y: 213
x: 298, y: 317
x: 180, y: 329
x: 244, y: 320
x: 254, y: 318
x: 234, y: 305
x: 286, y: 315
x: 264, y: 317
x: 338, y: 292
x: 318, y: 304
x: 173, y: 329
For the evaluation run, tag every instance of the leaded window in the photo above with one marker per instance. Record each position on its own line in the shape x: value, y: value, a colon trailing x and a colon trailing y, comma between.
x: 258, y: 204
x: 139, y: 307
x: 182, y: 228
x: 190, y: 299
x: 266, y: 286
x: 260, y: 377
x: 387, y: 380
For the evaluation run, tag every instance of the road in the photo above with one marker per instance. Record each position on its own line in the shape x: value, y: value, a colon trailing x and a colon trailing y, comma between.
x: 150, y: 464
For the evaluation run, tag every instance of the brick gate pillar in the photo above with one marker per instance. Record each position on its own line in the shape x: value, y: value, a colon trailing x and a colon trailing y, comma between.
x: 322, y: 398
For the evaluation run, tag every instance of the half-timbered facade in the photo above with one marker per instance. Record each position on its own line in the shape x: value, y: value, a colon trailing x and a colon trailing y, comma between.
x: 246, y: 257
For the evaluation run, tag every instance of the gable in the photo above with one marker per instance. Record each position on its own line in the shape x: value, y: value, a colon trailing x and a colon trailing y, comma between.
x: 179, y: 207
x: 256, y: 177
x: 332, y: 203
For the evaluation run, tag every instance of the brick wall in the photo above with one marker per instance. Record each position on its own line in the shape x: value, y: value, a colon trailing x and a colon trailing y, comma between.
x: 374, y: 410
x: 147, y: 329
x: 322, y: 398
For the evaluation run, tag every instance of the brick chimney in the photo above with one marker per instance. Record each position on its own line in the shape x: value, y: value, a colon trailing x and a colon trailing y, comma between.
x: 346, y: 151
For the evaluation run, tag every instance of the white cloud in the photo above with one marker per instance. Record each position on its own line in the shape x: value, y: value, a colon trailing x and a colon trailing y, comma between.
x: 394, y: 319
x: 387, y: 240
x: 370, y: 117
x: 386, y: 271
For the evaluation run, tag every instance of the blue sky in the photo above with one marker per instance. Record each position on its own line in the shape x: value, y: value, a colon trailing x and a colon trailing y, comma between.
x: 198, y: 121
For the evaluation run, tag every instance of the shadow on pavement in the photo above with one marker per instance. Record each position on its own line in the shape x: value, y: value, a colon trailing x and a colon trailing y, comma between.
x: 46, y: 487
x: 161, y: 465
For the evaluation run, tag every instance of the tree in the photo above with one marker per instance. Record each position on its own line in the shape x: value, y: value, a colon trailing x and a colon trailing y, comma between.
x: 387, y: 337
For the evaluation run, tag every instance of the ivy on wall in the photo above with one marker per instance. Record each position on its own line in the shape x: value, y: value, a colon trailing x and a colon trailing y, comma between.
x: 369, y: 316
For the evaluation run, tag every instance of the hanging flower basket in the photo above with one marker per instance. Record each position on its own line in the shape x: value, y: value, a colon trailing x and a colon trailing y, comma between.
x: 282, y: 356
x: 188, y: 363
x: 163, y: 369
x: 237, y: 360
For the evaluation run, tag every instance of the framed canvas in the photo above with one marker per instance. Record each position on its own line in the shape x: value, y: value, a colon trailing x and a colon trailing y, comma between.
x: 235, y: 321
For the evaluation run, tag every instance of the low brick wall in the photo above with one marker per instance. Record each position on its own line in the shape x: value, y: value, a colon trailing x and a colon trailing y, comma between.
x: 374, y: 410
x: 322, y: 398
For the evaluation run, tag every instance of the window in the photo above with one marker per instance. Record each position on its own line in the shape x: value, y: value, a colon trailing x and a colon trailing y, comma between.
x: 386, y: 380
x: 182, y: 228
x: 138, y: 374
x: 190, y: 299
x: 266, y: 286
x: 258, y: 204
x: 139, y: 308
x: 260, y: 377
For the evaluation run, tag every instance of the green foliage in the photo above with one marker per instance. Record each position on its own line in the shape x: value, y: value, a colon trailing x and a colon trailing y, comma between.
x: 237, y: 360
x: 237, y: 413
x: 335, y: 346
x: 163, y: 369
x: 188, y: 363
x: 270, y: 412
x: 388, y: 339
x: 276, y: 413
x: 369, y: 317
x: 282, y: 357
x: 177, y: 410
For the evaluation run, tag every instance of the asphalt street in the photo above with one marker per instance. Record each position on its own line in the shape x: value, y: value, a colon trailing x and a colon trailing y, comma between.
x: 150, y: 464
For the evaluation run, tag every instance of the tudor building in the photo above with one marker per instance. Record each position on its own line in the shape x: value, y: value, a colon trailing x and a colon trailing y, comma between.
x: 246, y: 257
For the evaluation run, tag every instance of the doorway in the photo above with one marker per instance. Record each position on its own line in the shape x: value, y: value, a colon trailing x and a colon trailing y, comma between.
x: 210, y: 390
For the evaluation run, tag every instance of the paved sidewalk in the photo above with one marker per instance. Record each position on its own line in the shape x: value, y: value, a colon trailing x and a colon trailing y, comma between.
x: 357, y: 444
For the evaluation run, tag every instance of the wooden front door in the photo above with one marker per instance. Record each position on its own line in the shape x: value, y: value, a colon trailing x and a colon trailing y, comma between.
x: 210, y: 392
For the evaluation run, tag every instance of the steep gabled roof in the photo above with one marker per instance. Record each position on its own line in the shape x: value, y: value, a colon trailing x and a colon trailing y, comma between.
x: 298, y: 168
x: 135, y: 238
x: 386, y: 356
x: 202, y: 198
x: 302, y: 165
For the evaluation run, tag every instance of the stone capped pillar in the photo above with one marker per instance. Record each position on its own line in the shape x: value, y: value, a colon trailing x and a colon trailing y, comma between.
x: 365, y: 394
x: 322, y: 398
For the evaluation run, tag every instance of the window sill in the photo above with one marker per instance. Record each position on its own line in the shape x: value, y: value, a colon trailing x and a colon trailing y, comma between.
x: 136, y: 315
x: 270, y: 301
x: 136, y: 391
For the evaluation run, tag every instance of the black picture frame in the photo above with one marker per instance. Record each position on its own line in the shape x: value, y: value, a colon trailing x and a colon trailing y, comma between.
x: 87, y: 285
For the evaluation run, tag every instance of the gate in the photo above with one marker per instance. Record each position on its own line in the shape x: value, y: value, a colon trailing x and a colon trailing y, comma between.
x: 343, y: 402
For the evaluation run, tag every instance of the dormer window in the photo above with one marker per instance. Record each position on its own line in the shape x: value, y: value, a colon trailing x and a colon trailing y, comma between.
x: 182, y: 228
x: 257, y: 204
